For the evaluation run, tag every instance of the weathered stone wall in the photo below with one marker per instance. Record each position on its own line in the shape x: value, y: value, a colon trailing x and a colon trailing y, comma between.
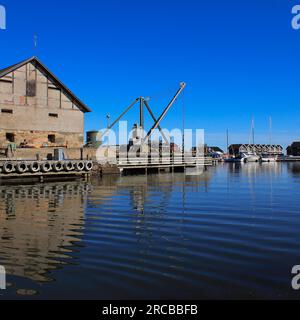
x: 32, y: 107
x: 40, y: 139
x: 71, y: 153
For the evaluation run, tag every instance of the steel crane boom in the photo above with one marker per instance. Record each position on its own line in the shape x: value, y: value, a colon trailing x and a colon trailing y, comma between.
x: 157, y: 123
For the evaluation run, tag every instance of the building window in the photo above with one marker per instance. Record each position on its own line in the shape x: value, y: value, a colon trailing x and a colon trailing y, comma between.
x: 53, y: 88
x: 10, y: 137
x: 9, y: 111
x: 51, y: 138
x: 6, y: 80
x: 53, y: 115
x: 31, y: 88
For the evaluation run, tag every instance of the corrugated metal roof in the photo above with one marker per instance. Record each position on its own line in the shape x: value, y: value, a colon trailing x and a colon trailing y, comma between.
x: 255, y: 145
x: 36, y: 62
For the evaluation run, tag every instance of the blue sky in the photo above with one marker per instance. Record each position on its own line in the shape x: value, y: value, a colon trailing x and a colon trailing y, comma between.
x: 239, y: 59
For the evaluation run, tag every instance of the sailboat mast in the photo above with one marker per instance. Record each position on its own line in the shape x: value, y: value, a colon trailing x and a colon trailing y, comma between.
x: 253, y: 131
x: 227, y: 132
x: 271, y: 127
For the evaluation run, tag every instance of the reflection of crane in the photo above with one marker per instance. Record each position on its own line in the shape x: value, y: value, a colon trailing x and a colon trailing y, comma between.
x: 143, y: 103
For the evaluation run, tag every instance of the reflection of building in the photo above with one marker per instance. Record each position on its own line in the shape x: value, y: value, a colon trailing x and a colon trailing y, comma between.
x: 39, y: 226
x: 294, y: 167
x: 258, y: 149
x: 252, y: 169
x: 294, y: 149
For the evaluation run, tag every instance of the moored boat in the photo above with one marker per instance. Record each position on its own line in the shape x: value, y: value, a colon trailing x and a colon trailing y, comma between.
x: 268, y: 158
x: 250, y: 157
x: 234, y: 160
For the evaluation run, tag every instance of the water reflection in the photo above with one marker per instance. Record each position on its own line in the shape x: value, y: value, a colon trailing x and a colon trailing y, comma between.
x: 39, y: 227
x: 232, y: 232
x: 252, y: 168
x: 141, y: 187
x: 294, y: 168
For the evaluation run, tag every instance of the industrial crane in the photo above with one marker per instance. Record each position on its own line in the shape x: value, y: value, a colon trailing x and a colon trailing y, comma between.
x: 143, y: 103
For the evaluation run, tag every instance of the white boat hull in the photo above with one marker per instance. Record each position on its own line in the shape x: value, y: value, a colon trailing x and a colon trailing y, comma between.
x: 250, y: 157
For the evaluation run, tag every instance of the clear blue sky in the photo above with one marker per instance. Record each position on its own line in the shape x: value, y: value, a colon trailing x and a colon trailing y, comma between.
x: 239, y: 59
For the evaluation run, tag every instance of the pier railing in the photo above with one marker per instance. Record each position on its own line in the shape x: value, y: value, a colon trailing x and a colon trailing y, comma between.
x: 164, y: 162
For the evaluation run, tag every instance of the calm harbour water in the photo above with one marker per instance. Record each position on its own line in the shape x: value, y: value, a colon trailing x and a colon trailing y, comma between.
x: 233, y: 232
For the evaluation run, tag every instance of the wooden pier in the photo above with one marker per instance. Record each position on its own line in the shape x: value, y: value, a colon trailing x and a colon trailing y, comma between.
x: 156, y: 165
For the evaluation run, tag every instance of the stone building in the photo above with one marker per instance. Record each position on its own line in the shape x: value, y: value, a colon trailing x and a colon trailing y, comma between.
x: 37, y: 110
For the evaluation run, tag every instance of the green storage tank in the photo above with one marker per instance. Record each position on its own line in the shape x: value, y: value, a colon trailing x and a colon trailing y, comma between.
x: 91, y: 139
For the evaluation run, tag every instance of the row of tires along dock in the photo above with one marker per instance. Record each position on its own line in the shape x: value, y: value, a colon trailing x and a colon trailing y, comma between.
x: 22, y: 167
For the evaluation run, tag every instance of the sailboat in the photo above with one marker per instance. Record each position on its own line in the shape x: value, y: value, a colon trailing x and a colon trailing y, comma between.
x: 234, y: 159
x: 251, y: 156
x: 237, y: 158
x: 268, y: 157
